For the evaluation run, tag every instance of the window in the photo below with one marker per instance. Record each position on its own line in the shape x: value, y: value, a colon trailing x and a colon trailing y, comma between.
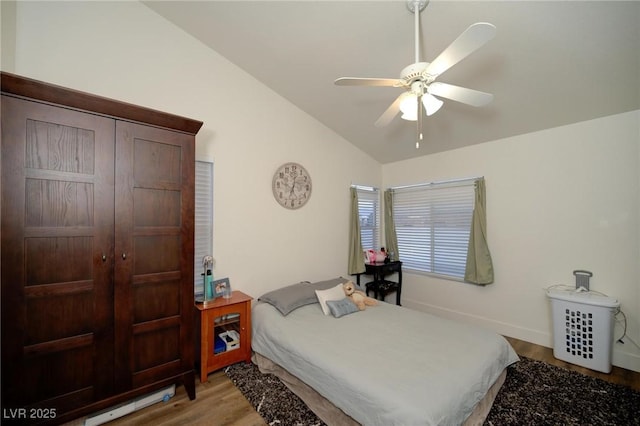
x: 203, y: 228
x: 369, y: 212
x: 433, y: 222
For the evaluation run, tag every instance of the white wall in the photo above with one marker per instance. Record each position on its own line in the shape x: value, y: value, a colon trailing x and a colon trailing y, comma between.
x: 557, y: 200
x: 125, y: 51
x: 7, y: 35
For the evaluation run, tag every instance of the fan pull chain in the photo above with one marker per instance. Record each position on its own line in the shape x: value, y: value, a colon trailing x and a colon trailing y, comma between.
x: 419, y: 122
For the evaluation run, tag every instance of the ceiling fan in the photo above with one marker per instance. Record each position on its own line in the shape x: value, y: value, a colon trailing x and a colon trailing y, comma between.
x: 418, y: 79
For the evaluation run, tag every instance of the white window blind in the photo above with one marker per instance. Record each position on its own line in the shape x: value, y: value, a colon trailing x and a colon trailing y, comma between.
x: 369, y: 212
x: 433, y: 223
x: 203, y: 238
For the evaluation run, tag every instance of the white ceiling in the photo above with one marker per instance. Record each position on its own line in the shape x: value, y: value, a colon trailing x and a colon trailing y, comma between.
x: 551, y: 63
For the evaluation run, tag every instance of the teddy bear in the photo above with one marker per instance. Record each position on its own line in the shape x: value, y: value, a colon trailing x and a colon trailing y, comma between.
x: 358, y: 297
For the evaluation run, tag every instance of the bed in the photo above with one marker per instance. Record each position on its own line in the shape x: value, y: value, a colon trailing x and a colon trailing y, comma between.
x: 386, y: 365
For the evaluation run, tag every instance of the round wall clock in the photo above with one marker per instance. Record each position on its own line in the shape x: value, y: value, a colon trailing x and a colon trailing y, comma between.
x: 291, y: 186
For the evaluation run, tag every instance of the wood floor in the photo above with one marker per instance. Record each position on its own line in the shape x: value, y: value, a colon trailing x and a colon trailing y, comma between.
x: 218, y: 402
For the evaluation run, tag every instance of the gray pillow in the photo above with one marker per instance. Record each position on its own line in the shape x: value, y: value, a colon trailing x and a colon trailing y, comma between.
x: 341, y: 307
x: 325, y: 285
x: 290, y: 298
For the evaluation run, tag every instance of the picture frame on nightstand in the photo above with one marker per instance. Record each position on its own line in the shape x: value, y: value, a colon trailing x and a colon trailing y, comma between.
x: 222, y: 288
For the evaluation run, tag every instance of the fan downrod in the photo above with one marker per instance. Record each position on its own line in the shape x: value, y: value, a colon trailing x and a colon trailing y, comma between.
x: 421, y: 4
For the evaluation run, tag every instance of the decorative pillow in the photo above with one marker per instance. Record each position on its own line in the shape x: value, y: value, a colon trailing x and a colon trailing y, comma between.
x: 342, y: 307
x: 289, y: 298
x: 334, y: 293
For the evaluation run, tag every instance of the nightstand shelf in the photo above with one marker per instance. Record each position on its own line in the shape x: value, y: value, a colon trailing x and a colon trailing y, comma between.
x: 228, y: 316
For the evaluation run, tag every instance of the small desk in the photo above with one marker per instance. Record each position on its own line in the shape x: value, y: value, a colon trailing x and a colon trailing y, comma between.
x: 380, y: 286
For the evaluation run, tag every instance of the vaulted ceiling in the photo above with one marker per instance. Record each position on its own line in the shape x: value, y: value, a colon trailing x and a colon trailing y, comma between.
x: 551, y: 63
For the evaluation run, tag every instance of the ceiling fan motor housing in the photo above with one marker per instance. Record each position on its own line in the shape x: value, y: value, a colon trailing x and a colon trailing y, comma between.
x: 416, y: 72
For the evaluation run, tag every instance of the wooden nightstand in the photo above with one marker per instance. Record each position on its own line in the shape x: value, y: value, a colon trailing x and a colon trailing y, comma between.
x: 231, y: 316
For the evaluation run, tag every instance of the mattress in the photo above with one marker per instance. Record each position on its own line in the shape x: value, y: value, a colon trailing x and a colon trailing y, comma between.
x: 332, y: 415
x: 387, y: 365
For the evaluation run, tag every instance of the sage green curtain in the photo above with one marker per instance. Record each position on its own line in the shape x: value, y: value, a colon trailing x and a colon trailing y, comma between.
x: 479, y: 269
x: 356, y: 255
x: 390, y: 237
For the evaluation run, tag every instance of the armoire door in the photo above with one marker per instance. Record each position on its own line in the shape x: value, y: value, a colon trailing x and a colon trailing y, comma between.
x: 57, y: 262
x: 155, y: 172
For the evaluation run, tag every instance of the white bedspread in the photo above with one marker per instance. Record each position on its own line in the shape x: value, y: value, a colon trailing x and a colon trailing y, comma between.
x: 386, y: 365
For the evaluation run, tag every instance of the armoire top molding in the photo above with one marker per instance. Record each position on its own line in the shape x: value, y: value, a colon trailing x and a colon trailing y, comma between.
x: 46, y: 92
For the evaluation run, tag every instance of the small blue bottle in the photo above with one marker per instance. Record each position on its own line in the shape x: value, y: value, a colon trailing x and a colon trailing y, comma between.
x: 208, y: 285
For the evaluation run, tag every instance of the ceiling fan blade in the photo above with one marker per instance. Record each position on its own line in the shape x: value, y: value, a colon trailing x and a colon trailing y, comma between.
x: 356, y: 81
x: 460, y: 94
x: 468, y: 42
x: 391, y: 112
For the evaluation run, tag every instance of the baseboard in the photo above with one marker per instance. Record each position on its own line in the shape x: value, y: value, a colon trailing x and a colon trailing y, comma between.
x: 624, y: 356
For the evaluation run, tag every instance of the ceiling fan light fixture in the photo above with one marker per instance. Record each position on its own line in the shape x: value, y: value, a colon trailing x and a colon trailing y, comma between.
x: 409, y: 107
x: 431, y: 103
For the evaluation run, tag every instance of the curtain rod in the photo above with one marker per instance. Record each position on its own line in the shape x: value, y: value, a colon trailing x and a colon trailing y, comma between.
x: 364, y: 187
x: 440, y: 182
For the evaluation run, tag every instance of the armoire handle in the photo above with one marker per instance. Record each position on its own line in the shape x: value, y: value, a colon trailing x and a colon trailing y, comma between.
x: 124, y: 256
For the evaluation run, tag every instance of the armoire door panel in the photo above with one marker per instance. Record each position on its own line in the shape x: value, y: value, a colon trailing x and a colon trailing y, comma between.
x: 51, y: 260
x: 155, y: 299
x: 57, y: 220
x: 154, y: 200
x: 156, y: 348
x: 55, y: 317
x: 148, y: 202
x: 58, y: 203
x: 158, y: 161
x: 66, y: 371
x: 55, y: 146
x: 156, y: 254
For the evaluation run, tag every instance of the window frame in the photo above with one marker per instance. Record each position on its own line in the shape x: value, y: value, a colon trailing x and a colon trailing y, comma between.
x: 445, y: 212
x: 369, y: 204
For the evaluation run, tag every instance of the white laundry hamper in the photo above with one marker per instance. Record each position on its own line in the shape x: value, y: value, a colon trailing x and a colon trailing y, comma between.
x: 583, y: 327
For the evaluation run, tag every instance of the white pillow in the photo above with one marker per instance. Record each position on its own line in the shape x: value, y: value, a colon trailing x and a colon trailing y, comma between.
x: 334, y: 293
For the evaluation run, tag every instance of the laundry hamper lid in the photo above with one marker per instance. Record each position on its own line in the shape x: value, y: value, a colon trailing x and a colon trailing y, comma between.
x: 585, y: 297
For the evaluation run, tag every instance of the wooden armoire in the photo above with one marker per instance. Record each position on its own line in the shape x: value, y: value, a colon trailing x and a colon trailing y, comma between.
x: 97, y: 251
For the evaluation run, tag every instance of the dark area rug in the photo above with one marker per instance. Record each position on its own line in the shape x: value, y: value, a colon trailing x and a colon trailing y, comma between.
x: 534, y: 393
x: 271, y: 398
